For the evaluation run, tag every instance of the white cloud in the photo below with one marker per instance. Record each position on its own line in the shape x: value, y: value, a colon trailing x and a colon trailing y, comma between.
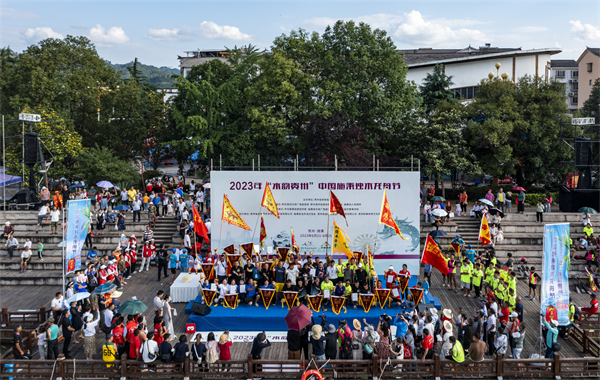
x: 376, y: 21
x: 209, y: 29
x: 529, y: 29
x: 584, y: 32
x: 166, y: 35
x: 114, y: 35
x: 416, y: 31
x: 37, y: 34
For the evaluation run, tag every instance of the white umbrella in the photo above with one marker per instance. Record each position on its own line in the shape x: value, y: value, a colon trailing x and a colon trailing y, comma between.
x: 78, y: 297
x: 485, y: 201
x: 439, y: 212
x: 206, y: 185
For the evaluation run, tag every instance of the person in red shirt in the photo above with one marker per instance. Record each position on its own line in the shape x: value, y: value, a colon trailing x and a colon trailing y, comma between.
x: 224, y: 345
x: 127, y: 258
x: 427, y: 345
x: 390, y: 275
x: 133, y: 253
x: 131, y: 326
x: 159, y: 329
x: 134, y: 345
x: 119, y: 334
x: 405, y: 274
x: 504, y: 314
x: 593, y: 307
x: 102, y: 275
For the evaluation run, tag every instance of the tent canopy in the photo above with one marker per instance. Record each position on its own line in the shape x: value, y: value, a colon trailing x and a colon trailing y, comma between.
x: 7, y: 179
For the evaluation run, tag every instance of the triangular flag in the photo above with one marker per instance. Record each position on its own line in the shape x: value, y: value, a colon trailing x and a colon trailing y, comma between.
x: 209, y: 295
x: 386, y: 218
x: 268, y: 201
x: 248, y: 248
x: 199, y: 226
x: 366, y: 300
x: 230, y: 249
x: 335, y: 207
x: 339, y: 242
x: 417, y: 294
x: 267, y: 296
x: 433, y: 256
x: 263, y: 231
x: 455, y: 247
x: 484, y: 232
x: 337, y: 303
x: 231, y: 216
x: 208, y: 270
x: 283, y: 253
x: 290, y: 298
x: 382, y: 296
x: 315, y: 302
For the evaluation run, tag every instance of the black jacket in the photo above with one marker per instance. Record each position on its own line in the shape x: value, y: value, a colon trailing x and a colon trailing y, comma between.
x: 293, y: 340
x: 164, y: 352
x: 331, y: 345
x: 468, y: 332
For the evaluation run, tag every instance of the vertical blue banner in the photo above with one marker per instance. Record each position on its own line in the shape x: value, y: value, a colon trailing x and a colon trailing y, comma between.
x: 78, y: 225
x: 555, y: 273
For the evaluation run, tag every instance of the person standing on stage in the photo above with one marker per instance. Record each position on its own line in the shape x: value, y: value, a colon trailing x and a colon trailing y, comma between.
x: 280, y: 273
x: 221, y: 269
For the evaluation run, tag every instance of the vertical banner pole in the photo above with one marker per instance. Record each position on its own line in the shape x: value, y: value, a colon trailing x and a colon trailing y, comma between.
x: 327, y: 232
x: 64, y: 244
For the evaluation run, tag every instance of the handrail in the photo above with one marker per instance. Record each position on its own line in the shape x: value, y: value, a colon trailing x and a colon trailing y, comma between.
x: 279, y: 369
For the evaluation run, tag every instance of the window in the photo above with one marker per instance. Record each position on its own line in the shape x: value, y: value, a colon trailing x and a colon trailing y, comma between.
x: 590, y: 82
x: 574, y: 100
x: 466, y: 93
x: 589, y: 67
x: 574, y: 87
x: 575, y: 73
x: 560, y: 73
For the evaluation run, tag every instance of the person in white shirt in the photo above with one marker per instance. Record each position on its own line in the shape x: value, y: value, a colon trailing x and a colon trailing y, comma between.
x: 54, y: 216
x: 426, y: 210
x: 224, y: 289
x: 292, y: 274
x: 25, y: 256
x: 158, y: 302
x: 27, y: 243
x: 109, y: 314
x: 149, y: 349
x: 57, y: 305
x: 332, y: 272
x: 586, y: 218
x: 42, y: 214
x: 200, y: 199
x: 137, y: 207
x: 89, y: 335
x: 221, y: 269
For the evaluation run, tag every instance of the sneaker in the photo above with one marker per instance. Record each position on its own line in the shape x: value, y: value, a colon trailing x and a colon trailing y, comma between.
x: 128, y: 278
x: 355, y: 306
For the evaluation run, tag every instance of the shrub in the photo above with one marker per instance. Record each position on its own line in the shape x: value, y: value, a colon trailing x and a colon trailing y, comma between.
x: 152, y: 174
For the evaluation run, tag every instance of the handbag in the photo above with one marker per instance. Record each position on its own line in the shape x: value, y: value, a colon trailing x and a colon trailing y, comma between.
x: 367, y: 348
x: 355, y: 346
x: 199, y: 362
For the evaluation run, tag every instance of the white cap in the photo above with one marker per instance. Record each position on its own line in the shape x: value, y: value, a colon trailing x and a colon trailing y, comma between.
x: 7, y: 223
x: 513, y: 314
x: 102, y: 266
x: 390, y: 267
x: 360, y: 265
x: 554, y: 322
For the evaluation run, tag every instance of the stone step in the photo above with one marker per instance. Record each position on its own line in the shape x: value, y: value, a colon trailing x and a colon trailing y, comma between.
x: 33, y: 277
x: 554, y: 217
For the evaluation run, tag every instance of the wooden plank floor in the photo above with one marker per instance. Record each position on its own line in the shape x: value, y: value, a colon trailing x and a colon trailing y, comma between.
x: 144, y: 286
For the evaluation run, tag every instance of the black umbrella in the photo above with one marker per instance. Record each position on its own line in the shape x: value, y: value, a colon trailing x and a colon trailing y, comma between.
x: 437, y: 233
x: 495, y: 211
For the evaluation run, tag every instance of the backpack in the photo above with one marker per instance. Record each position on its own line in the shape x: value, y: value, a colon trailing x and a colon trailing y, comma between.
x: 211, y: 355
x: 346, y: 346
x: 92, y: 281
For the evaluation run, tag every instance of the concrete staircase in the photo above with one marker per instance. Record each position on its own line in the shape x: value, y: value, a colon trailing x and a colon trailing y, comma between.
x: 49, y: 270
x: 523, y: 236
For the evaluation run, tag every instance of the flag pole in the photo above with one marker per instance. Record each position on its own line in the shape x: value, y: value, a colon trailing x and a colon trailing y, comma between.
x: 327, y: 232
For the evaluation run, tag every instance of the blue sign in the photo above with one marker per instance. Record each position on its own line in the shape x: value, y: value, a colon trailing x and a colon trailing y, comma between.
x: 78, y: 226
x: 555, y: 272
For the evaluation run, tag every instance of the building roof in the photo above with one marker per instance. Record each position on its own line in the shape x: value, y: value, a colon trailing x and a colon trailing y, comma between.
x: 595, y: 51
x: 556, y: 63
x: 429, y: 57
x: 194, y: 61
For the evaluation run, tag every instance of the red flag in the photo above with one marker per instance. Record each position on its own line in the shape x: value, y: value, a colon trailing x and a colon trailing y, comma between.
x: 335, y: 207
x: 433, y: 256
x: 456, y: 248
x: 385, y: 217
x: 263, y: 231
x: 199, y: 226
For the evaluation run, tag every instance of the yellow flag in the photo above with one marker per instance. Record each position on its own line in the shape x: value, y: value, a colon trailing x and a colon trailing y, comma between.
x: 231, y: 216
x: 268, y: 201
x: 340, y: 245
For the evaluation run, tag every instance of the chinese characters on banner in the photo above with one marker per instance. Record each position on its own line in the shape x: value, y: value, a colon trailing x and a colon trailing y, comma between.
x: 555, y: 272
x: 78, y: 225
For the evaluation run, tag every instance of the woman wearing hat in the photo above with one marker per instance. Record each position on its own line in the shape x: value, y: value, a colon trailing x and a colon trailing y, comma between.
x: 446, y: 316
x: 331, y: 343
x: 357, y: 334
x: 89, y: 335
x: 446, y: 344
x: 368, y: 341
x: 318, y: 342
x: 224, y: 347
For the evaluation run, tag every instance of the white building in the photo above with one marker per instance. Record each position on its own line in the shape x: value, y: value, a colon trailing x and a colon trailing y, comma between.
x: 198, y: 57
x: 566, y: 71
x: 470, y: 65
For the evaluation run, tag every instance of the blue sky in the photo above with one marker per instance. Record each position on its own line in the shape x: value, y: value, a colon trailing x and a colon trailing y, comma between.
x: 157, y: 31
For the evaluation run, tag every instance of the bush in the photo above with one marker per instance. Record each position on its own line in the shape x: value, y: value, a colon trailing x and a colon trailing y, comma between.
x: 149, y: 174
x: 101, y: 164
x: 533, y: 199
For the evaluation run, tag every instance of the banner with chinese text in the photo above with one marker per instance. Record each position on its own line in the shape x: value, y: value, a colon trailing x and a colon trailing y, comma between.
x: 555, y: 271
x: 78, y: 225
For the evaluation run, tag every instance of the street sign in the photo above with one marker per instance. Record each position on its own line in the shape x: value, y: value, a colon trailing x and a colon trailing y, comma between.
x: 583, y: 121
x: 30, y: 117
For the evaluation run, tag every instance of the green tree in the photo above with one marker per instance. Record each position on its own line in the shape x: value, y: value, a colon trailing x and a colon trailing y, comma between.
x: 100, y: 163
x: 439, y: 143
x: 436, y: 87
x: 591, y: 107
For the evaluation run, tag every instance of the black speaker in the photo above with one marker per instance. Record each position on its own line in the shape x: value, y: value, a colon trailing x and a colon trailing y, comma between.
x: 583, y: 151
x: 425, y: 307
x: 31, y: 148
x: 200, y: 309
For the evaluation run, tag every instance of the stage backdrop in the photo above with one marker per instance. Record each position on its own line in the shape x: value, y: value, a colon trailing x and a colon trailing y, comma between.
x: 302, y: 199
x: 555, y: 272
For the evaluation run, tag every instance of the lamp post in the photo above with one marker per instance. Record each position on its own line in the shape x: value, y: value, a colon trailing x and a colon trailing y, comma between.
x: 141, y: 160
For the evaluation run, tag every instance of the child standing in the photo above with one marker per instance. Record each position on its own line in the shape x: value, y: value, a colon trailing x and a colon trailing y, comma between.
x: 183, y: 261
x: 40, y: 249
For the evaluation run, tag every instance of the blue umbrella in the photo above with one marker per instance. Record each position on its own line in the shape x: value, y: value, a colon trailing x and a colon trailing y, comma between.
x: 104, y: 184
x: 437, y: 233
x: 76, y: 187
x: 105, y: 288
x: 122, y: 208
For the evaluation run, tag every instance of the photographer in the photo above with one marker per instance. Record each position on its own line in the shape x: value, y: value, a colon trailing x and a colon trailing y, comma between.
x: 258, y: 344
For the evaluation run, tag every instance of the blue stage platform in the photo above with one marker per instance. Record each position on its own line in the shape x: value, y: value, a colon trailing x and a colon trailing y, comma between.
x: 252, y: 318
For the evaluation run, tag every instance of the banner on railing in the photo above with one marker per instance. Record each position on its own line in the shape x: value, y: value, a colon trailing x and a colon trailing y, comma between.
x: 78, y: 226
x: 555, y: 271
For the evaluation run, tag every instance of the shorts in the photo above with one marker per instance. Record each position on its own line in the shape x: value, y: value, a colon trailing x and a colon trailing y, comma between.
x: 41, y: 219
x: 532, y: 286
x: 466, y: 285
x: 173, y: 270
x: 278, y: 287
x: 54, y: 224
x: 451, y: 276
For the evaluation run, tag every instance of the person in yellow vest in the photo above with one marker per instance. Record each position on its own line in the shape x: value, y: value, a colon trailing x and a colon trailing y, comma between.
x: 500, y: 292
x: 495, y: 280
x: 465, y: 277
x: 340, y: 268
x: 477, y: 278
x: 444, y: 276
x: 457, y: 352
x: 533, y: 280
x: 109, y: 351
x: 489, y: 274
x: 512, y: 299
x: 512, y: 281
x: 572, y: 312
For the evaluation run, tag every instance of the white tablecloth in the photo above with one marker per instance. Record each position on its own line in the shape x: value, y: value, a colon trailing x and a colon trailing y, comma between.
x: 185, y: 292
